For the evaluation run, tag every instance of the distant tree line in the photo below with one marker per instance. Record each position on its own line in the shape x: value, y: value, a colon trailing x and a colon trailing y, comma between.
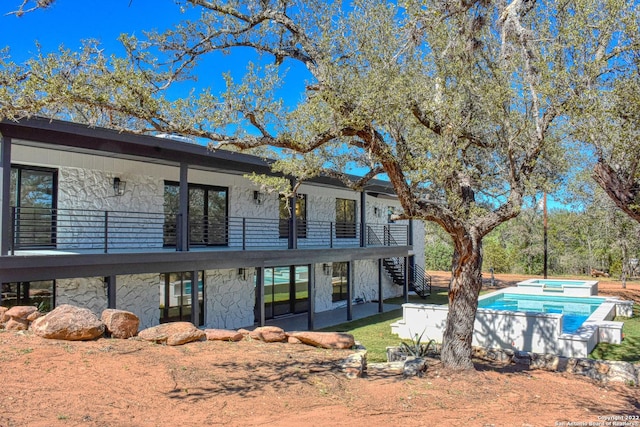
x: 597, y: 236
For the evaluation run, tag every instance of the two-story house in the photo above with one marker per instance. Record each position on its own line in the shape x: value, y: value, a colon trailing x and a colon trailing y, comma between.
x: 170, y: 230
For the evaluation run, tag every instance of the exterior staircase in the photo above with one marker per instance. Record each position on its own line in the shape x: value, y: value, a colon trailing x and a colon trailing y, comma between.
x: 419, y: 280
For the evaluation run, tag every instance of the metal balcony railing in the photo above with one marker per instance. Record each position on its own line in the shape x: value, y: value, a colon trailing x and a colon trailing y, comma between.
x: 105, y: 231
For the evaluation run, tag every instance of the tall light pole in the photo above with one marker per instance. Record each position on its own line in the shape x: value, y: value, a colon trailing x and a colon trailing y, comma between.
x: 544, y: 238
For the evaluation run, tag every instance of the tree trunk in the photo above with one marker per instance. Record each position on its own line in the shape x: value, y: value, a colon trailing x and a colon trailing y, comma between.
x: 463, y: 304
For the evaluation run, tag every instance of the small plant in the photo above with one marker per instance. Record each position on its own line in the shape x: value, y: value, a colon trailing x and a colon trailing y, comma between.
x: 416, y: 348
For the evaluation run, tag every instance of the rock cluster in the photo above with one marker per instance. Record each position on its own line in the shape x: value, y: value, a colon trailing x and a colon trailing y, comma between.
x: 269, y: 334
x: 18, y: 318
x: 604, y: 371
x: 67, y: 322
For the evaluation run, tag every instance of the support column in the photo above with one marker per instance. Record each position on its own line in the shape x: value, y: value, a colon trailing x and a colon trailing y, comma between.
x: 363, y: 219
x: 260, y: 295
x: 5, y: 191
x: 110, y: 282
x: 311, y: 292
x: 405, y: 288
x: 293, y: 223
x: 182, y: 242
x: 410, y: 232
x: 380, y: 301
x: 350, y: 291
x: 195, y: 306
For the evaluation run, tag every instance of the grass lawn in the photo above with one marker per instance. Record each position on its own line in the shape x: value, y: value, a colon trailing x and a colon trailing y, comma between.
x: 629, y: 349
x: 374, y: 332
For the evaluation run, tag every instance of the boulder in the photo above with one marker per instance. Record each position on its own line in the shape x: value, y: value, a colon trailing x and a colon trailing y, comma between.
x: 21, y: 312
x: 19, y: 317
x: 14, y: 324
x: 293, y: 340
x: 223, y: 335
x: 69, y: 323
x: 336, y: 340
x: 119, y: 323
x: 3, y: 317
x: 269, y: 334
x: 174, y: 333
x: 33, y: 316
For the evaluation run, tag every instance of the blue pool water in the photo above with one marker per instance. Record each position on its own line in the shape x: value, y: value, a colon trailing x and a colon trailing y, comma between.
x: 576, y: 310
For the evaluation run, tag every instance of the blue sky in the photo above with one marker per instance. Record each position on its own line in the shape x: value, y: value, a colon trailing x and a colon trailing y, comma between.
x: 68, y: 22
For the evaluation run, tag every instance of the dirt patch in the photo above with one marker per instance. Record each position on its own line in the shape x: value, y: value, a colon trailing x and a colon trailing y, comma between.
x: 111, y: 382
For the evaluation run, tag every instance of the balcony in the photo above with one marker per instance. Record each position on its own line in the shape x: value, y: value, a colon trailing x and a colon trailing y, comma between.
x: 36, y: 231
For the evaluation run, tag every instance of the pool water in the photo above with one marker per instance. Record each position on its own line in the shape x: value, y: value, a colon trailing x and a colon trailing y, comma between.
x: 575, y: 310
x: 559, y: 283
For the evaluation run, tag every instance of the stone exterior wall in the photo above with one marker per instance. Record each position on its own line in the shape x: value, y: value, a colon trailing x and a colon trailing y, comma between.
x: 324, y: 290
x: 365, y: 281
x: 140, y: 294
x: 230, y: 300
x: 89, y: 292
x: 93, y: 189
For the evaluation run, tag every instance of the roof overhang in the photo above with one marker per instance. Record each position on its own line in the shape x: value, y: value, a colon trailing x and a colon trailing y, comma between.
x: 81, y: 138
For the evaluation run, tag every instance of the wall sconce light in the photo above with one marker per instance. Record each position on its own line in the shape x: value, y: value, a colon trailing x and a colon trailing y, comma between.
x: 257, y: 197
x: 326, y: 268
x: 119, y: 186
x: 242, y: 273
x: 376, y: 212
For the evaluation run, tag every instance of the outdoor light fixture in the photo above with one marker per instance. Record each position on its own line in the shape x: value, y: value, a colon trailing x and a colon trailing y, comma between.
x: 257, y: 197
x: 326, y: 268
x: 118, y: 186
x: 242, y: 273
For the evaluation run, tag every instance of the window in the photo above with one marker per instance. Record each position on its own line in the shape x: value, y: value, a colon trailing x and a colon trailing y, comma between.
x: 345, y: 218
x: 33, y: 194
x: 340, y: 281
x: 301, y: 216
x: 207, y: 214
x: 40, y: 294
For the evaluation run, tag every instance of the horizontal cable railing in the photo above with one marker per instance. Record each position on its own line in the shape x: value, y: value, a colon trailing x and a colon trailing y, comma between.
x: 104, y: 231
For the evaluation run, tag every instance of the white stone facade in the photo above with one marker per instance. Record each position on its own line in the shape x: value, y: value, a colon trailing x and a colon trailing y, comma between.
x: 230, y: 299
x: 87, y: 292
x: 140, y: 294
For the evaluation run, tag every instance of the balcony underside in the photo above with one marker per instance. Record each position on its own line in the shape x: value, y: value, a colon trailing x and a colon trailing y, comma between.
x: 54, y: 264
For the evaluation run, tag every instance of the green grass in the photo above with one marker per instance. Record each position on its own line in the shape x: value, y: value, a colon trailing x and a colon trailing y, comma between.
x: 629, y: 349
x: 374, y: 332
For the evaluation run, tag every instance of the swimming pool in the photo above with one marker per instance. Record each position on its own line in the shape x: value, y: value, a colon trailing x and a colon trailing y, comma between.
x: 527, y: 320
x: 574, y: 310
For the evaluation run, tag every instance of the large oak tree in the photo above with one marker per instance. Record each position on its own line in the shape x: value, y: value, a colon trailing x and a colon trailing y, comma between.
x: 462, y: 104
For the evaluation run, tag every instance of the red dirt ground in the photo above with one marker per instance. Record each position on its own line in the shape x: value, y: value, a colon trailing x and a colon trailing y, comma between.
x: 111, y: 382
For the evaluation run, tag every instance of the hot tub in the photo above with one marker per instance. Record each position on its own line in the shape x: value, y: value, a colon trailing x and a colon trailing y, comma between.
x: 578, y: 288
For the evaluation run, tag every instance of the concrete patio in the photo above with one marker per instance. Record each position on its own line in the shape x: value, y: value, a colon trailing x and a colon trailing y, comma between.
x: 324, y: 319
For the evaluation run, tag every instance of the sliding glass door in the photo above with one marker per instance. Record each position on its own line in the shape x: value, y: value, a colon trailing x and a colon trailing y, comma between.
x: 285, y: 290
